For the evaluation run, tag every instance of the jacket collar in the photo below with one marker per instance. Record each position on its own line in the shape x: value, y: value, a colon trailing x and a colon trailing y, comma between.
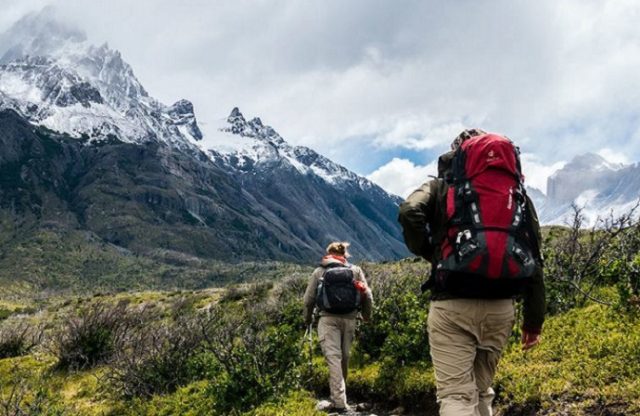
x: 333, y: 259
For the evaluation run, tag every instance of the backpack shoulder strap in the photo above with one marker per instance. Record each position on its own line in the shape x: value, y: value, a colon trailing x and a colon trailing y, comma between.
x: 334, y: 265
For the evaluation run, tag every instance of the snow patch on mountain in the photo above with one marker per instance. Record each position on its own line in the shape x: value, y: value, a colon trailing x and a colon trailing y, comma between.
x: 249, y: 146
x: 598, y: 187
x: 51, y: 75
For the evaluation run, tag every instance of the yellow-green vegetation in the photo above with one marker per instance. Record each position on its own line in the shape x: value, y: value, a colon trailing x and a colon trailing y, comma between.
x: 239, y: 350
x: 35, y: 378
x: 74, y: 262
x: 299, y: 403
x: 191, y: 400
x: 589, y: 355
x: 413, y: 384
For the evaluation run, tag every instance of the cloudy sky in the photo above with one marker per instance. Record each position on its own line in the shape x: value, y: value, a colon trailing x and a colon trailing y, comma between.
x: 383, y: 86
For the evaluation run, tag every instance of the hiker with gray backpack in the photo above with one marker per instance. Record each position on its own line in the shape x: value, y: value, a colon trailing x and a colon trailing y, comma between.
x: 479, y: 229
x: 337, y: 292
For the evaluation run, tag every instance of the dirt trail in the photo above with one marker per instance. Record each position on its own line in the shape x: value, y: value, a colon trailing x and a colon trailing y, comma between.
x: 371, y: 409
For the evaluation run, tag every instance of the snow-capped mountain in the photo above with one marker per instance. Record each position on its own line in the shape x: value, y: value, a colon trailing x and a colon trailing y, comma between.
x: 592, y: 183
x: 85, y: 147
x: 250, y: 145
x: 52, y: 76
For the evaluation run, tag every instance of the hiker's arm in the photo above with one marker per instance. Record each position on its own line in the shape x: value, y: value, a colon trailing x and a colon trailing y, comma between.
x: 534, y: 296
x: 309, y: 299
x: 367, y: 301
x: 415, y: 213
x: 534, y: 304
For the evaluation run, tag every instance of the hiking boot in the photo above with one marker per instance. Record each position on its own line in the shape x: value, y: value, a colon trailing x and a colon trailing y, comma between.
x: 324, y: 405
x: 338, y: 410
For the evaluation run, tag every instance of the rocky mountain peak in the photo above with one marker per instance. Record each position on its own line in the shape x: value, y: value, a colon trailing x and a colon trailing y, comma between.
x: 592, y: 183
x: 38, y: 34
x: 235, y: 113
x: 54, y: 77
x: 254, y: 129
x: 590, y: 161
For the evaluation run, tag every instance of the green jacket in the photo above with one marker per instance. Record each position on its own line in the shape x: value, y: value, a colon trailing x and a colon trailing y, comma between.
x: 425, y: 207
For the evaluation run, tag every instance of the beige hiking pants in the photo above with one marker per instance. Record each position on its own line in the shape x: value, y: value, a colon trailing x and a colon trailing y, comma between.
x: 466, y: 337
x: 336, y: 335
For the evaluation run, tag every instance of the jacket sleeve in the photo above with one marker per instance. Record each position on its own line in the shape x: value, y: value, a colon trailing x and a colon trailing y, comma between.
x: 415, y: 213
x: 367, y: 301
x: 309, y: 299
x: 534, y: 296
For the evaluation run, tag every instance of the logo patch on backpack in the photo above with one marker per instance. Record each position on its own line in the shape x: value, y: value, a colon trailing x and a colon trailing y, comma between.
x: 337, y: 292
x: 487, y: 249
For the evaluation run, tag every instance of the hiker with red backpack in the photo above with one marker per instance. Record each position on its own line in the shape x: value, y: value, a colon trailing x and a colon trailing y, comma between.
x: 479, y: 229
x: 338, y: 291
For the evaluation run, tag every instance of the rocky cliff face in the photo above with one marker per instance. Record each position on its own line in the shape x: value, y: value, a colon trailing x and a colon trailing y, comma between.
x: 591, y: 183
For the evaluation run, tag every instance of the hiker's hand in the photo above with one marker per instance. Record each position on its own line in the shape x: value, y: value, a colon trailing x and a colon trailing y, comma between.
x: 529, y: 340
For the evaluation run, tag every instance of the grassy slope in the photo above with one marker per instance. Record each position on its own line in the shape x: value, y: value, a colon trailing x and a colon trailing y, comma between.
x: 61, y: 262
x: 589, y: 360
x: 589, y: 356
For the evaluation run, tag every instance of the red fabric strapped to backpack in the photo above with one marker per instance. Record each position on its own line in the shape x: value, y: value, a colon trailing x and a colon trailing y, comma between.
x: 486, y: 235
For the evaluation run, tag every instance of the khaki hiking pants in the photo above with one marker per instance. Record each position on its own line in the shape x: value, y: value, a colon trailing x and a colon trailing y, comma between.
x: 336, y: 335
x: 466, y: 338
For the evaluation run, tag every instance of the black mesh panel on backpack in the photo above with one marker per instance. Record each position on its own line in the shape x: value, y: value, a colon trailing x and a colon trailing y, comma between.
x: 337, y: 292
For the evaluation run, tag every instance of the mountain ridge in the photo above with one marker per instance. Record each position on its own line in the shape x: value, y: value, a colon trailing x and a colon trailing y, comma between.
x: 589, y: 182
x: 145, y: 182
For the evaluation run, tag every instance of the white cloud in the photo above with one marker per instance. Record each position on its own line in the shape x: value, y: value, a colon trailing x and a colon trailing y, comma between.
x: 537, y: 172
x: 401, y: 176
x: 560, y: 78
x: 614, y: 156
x: 418, y: 133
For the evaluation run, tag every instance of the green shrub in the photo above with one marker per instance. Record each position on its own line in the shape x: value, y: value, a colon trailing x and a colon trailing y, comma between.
x: 93, y: 334
x: 397, y: 329
x: 578, y: 261
x: 5, y: 313
x: 158, y: 359
x: 247, y: 292
x: 315, y: 375
x: 260, y: 361
x: 259, y: 370
x: 18, y: 338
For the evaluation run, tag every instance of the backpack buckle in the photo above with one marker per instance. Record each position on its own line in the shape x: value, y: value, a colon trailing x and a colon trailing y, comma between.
x: 465, y: 244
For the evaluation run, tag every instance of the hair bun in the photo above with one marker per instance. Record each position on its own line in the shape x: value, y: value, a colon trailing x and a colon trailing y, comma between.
x: 338, y: 247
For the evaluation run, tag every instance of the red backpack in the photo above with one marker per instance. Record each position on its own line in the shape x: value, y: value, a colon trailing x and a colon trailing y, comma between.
x: 487, y: 250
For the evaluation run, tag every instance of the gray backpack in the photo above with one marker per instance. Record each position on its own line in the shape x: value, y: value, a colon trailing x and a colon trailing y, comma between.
x: 337, y: 292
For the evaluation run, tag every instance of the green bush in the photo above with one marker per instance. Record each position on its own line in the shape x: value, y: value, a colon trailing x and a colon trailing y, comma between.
x: 4, y: 313
x: 258, y: 367
x: 18, y: 339
x: 315, y: 375
x: 158, y: 359
x: 578, y: 261
x: 397, y: 329
x: 91, y: 335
